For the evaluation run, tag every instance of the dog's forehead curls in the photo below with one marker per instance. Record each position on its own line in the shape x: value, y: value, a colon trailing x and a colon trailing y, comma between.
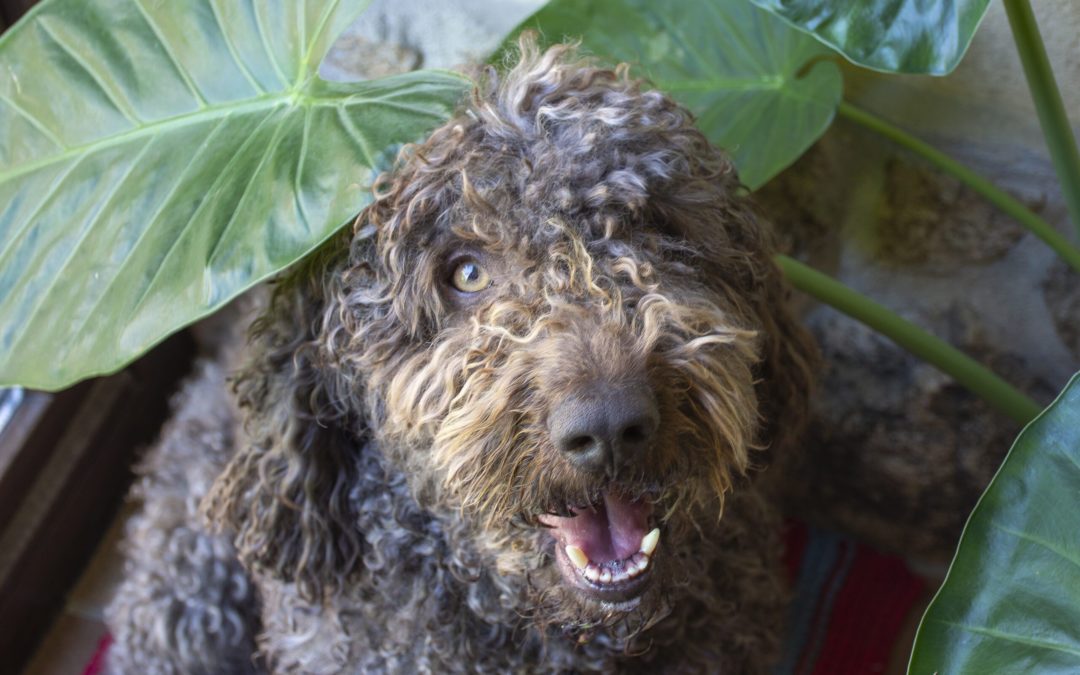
x: 560, y: 320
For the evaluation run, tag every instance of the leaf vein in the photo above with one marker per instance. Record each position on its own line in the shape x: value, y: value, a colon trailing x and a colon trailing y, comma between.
x: 737, y: 33
x: 151, y: 221
x: 389, y: 103
x: 191, y: 219
x: 49, y: 194
x: 205, y: 115
x: 147, y: 129
x: 298, y: 180
x: 35, y: 122
x: 679, y: 37
x: 58, y: 275
x: 357, y: 135
x: 1039, y: 541
x: 180, y: 69
x: 271, y: 148
x: 1011, y: 637
x: 765, y: 83
x: 215, y: 12
x: 301, y: 30
x: 266, y: 45
x: 125, y: 110
x: 319, y: 28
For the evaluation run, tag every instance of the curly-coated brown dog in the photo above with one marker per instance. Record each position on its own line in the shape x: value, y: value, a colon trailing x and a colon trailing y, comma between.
x: 505, y: 425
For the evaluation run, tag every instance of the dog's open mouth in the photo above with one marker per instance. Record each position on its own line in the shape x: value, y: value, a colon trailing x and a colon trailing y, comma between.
x: 606, y: 549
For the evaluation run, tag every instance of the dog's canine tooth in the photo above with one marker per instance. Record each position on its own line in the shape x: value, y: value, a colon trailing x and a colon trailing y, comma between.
x: 577, y: 556
x: 649, y: 541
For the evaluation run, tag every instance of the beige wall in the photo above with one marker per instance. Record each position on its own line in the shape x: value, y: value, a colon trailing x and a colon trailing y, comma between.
x: 985, y: 100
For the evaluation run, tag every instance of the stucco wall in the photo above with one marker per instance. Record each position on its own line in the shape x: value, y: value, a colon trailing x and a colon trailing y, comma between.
x: 985, y: 100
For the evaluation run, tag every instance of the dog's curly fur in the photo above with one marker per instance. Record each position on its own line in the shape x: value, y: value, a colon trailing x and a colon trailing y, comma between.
x: 376, y: 497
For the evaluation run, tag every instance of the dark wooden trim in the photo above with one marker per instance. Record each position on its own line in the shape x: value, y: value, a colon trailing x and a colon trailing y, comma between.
x: 11, y: 10
x: 67, y: 476
x: 27, y: 442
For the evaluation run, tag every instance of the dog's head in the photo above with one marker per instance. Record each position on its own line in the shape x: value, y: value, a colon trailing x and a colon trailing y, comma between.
x: 559, y: 318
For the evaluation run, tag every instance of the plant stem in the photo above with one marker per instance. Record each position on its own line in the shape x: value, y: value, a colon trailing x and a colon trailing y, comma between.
x: 1044, y: 92
x: 995, y: 195
x: 936, y: 352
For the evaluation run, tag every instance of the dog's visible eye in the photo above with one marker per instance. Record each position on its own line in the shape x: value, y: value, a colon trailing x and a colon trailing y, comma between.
x: 469, y: 277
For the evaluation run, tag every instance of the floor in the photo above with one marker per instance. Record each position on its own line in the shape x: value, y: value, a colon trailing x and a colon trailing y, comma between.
x: 76, y: 633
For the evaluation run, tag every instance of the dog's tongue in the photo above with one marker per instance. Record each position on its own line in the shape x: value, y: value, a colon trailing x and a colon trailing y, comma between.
x: 610, y: 530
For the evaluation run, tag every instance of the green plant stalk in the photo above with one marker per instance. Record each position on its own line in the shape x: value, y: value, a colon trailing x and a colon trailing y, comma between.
x: 995, y: 195
x: 1044, y: 92
x: 934, y: 351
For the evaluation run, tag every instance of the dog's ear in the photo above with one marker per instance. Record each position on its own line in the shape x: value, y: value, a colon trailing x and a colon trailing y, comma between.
x: 789, y: 354
x: 712, y: 211
x: 284, y: 495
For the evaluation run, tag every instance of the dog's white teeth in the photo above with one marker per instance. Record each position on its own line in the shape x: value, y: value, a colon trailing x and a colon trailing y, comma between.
x: 637, y: 564
x: 649, y: 541
x: 603, y: 574
x: 577, y: 556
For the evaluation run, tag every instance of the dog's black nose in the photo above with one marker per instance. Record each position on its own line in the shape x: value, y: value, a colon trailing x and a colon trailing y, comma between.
x: 605, y: 428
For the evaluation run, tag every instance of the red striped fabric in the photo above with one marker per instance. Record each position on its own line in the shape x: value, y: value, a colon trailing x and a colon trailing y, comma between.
x: 97, y: 662
x: 849, y: 604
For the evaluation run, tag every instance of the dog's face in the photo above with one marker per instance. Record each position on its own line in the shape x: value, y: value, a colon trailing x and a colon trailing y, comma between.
x: 550, y: 313
x: 560, y: 321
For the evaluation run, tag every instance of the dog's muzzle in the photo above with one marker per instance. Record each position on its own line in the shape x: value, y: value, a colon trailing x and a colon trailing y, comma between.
x: 605, y: 548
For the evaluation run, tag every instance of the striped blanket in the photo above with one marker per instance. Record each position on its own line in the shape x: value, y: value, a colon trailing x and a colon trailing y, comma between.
x: 849, y: 604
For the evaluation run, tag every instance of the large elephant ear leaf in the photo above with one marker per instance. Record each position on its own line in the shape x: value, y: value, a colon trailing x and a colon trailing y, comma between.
x: 158, y: 158
x: 926, y: 37
x: 748, y: 77
x: 1011, y: 600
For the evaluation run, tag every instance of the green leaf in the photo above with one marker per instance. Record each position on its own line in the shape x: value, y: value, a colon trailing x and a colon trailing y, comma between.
x: 1011, y: 600
x: 158, y: 158
x: 898, y: 36
x: 733, y: 65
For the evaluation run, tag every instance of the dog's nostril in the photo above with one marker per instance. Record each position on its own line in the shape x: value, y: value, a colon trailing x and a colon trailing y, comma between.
x: 634, y: 434
x: 606, y: 429
x: 579, y: 443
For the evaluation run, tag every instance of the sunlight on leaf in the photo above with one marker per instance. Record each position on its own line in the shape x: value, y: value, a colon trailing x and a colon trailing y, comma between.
x: 899, y: 36
x: 161, y: 157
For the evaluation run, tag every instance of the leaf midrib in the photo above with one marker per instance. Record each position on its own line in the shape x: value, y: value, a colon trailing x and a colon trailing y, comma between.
x: 1013, y: 637
x: 727, y: 84
x: 197, y: 116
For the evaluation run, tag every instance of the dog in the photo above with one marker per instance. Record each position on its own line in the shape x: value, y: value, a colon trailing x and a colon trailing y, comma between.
x: 513, y: 420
